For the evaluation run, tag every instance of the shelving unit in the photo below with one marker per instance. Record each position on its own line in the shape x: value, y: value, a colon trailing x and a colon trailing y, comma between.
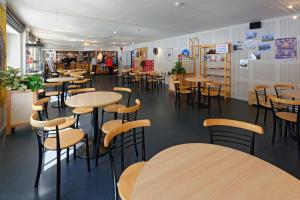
x: 216, y: 67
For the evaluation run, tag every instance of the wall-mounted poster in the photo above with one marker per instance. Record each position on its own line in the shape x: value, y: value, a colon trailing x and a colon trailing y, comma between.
x: 251, y: 35
x: 238, y: 46
x: 264, y: 47
x: 267, y: 38
x: 244, y: 64
x: 250, y: 44
x: 169, y: 54
x: 222, y: 48
x: 286, y: 48
x: 254, y: 56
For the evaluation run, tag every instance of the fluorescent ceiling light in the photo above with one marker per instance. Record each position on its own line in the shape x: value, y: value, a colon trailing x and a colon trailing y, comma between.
x: 115, y: 32
x: 178, y: 3
x: 295, y: 17
x: 290, y: 6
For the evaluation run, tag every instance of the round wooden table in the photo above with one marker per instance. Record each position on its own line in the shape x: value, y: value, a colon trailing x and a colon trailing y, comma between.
x: 95, y: 100
x: 198, y: 81
x: 206, y: 172
x: 62, y: 80
x: 292, y: 93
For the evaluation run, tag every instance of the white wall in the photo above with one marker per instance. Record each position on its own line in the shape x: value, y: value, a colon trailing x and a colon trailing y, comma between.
x: 265, y: 71
x: 14, y: 50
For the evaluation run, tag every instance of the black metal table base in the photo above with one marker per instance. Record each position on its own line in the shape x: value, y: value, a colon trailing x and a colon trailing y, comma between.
x: 81, y: 151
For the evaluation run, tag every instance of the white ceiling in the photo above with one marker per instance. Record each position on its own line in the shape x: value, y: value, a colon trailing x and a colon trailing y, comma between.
x: 90, y: 24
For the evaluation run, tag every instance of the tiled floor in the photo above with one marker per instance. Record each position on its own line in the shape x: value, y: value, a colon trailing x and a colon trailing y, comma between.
x: 18, y: 152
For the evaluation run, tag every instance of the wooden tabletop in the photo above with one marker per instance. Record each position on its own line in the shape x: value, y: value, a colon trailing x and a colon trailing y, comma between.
x: 292, y: 93
x: 197, y: 79
x: 61, y: 79
x: 206, y: 172
x: 93, y: 99
x: 126, y: 70
x: 145, y: 73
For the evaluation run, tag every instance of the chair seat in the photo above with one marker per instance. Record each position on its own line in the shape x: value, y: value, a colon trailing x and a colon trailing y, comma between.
x: 184, y: 87
x: 114, y: 108
x: 52, y: 93
x: 67, y: 138
x: 127, y: 180
x: 265, y: 104
x: 111, y: 125
x: 81, y: 111
x: 212, y: 93
x: 70, y: 121
x: 185, y: 91
x: 288, y: 116
x: 73, y: 86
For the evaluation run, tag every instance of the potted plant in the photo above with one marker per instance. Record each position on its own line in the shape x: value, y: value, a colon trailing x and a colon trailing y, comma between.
x: 21, y: 92
x: 177, y: 70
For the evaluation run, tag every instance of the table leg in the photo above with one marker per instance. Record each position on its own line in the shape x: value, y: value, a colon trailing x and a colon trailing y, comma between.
x: 63, y: 90
x: 92, y: 141
x: 200, y: 104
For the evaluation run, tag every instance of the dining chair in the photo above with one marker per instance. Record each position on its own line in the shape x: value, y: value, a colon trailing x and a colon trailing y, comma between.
x: 223, y: 131
x: 288, y: 111
x: 128, y: 114
x: 81, y: 111
x: 119, y: 140
x: 212, y: 90
x: 261, y: 101
x: 54, y: 90
x: 56, y: 140
x: 179, y: 92
x: 114, y: 107
x: 280, y: 88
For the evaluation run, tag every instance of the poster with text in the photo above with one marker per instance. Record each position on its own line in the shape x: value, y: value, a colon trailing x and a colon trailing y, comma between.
x: 286, y: 48
x: 169, y: 54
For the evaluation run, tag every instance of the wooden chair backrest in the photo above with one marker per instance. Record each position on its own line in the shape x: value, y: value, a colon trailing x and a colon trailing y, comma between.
x: 52, y: 84
x: 125, y: 128
x: 42, y: 124
x: 261, y: 93
x: 122, y: 89
x: 234, y: 123
x: 275, y: 99
x: 131, y: 109
x: 81, y: 90
x: 39, y: 104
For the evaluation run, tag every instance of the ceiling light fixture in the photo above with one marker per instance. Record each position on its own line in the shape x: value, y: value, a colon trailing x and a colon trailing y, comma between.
x: 290, y: 6
x: 178, y: 3
x: 115, y: 32
x: 132, y: 43
x: 86, y: 44
x: 295, y: 17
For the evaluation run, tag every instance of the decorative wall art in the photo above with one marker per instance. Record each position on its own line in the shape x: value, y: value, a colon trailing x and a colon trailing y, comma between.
x: 264, y: 46
x: 267, y: 38
x: 286, y: 48
x: 251, y: 35
x: 254, y: 56
x: 244, y: 64
x: 155, y: 51
x: 250, y: 44
x: 169, y: 53
x: 222, y: 48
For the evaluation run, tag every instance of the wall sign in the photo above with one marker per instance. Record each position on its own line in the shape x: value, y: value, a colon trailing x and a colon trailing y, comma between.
x: 222, y: 48
x: 286, y: 48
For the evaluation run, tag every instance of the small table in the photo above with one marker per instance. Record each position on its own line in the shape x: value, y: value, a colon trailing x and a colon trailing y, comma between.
x: 292, y: 93
x: 94, y: 100
x: 146, y: 74
x: 198, y: 80
x: 205, y: 171
x: 62, y: 80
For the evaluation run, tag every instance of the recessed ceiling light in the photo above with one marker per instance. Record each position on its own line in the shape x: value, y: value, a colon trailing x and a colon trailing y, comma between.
x: 86, y: 44
x: 295, y: 17
x: 290, y: 6
x: 115, y: 32
x: 124, y: 43
x: 178, y: 3
x: 132, y: 43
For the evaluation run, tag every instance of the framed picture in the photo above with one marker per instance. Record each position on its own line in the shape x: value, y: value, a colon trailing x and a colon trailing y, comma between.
x: 286, y: 48
x: 169, y: 53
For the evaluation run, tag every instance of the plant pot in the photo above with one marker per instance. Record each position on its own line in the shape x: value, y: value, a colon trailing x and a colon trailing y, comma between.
x: 18, y: 108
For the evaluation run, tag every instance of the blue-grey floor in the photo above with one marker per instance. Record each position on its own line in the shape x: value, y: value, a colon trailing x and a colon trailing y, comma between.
x: 18, y: 152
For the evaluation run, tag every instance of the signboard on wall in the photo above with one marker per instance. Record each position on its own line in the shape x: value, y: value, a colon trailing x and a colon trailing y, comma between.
x: 222, y: 48
x: 286, y: 48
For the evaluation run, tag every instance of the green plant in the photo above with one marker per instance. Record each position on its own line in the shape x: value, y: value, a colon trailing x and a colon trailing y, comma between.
x: 11, y: 79
x: 177, y: 69
x: 34, y: 82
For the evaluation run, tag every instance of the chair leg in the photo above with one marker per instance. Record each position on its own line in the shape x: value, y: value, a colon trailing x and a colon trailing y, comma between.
x: 97, y: 152
x: 257, y: 114
x: 87, y: 153
x: 113, y: 175
x: 58, y: 175
x: 74, y: 152
x: 37, y: 179
x: 219, y: 103
x: 68, y: 155
x: 135, y: 144
x: 266, y: 113
x: 274, y: 130
x: 209, y: 104
x: 77, y: 121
